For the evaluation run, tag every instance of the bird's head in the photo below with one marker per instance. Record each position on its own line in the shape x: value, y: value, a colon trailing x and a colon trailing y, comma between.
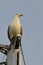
x: 17, y: 17
x: 19, y: 14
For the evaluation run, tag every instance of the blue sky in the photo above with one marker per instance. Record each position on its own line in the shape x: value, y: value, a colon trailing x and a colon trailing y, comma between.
x: 32, y: 22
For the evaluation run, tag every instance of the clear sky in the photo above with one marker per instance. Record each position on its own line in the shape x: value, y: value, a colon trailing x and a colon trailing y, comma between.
x: 32, y: 22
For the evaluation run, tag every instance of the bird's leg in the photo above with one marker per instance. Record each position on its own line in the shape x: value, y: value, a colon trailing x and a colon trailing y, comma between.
x: 18, y: 42
x: 13, y: 40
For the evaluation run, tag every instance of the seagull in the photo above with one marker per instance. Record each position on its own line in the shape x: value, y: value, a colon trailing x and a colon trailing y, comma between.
x: 15, y: 28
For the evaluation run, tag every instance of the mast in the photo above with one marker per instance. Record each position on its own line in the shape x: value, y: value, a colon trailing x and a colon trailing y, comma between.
x: 14, y: 52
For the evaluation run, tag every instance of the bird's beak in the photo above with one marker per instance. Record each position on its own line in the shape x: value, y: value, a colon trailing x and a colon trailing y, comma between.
x: 20, y: 15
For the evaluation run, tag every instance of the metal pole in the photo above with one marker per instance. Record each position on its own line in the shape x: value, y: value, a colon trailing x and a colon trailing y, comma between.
x: 14, y: 53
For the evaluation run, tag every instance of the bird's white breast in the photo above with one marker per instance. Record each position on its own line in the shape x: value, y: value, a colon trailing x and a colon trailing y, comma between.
x: 15, y: 28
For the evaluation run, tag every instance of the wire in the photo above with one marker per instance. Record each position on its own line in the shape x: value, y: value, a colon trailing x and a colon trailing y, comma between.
x: 23, y: 55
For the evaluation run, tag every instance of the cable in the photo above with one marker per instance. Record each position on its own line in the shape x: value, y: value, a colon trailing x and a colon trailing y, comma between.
x: 23, y: 55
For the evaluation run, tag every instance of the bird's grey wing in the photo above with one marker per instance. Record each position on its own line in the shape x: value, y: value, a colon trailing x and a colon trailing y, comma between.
x: 8, y: 32
x: 21, y: 30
